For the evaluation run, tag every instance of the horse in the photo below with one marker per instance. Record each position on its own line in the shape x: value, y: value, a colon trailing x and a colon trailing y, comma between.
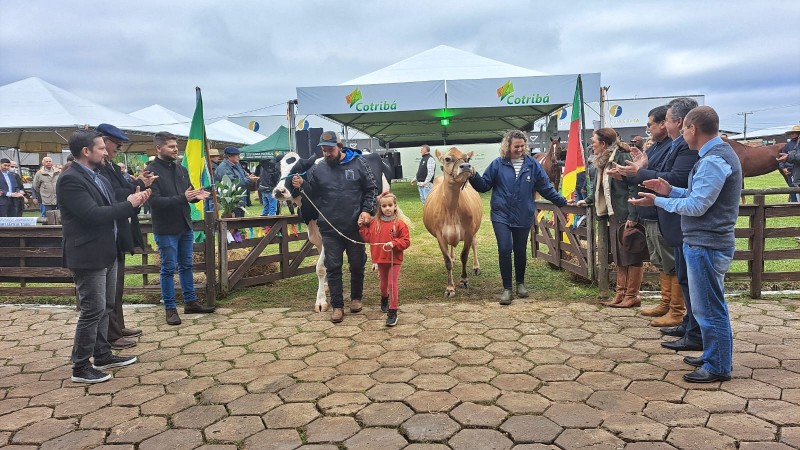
x: 550, y: 161
x: 292, y: 164
x: 756, y: 160
x: 453, y: 212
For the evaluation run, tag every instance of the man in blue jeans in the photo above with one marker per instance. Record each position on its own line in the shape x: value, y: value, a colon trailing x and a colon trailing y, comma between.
x: 172, y: 226
x: 709, y: 208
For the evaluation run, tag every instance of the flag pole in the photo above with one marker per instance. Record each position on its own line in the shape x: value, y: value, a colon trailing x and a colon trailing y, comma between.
x: 583, y: 132
x: 209, y: 167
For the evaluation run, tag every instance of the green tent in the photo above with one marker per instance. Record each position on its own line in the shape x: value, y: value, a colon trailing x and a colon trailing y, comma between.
x: 276, y: 144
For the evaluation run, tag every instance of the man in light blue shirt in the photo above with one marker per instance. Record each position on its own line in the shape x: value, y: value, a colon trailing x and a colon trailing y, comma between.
x: 709, y: 208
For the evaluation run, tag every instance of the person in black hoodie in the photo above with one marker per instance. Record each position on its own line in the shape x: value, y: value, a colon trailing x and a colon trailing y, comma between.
x: 344, y: 189
x: 267, y: 179
x: 172, y: 226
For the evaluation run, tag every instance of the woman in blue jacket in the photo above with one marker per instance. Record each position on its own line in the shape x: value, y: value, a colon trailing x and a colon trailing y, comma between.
x: 514, y: 178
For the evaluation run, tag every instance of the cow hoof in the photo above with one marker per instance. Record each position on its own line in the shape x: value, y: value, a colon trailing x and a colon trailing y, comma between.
x: 463, y: 284
x: 476, y: 271
x: 321, y: 308
x: 449, y: 294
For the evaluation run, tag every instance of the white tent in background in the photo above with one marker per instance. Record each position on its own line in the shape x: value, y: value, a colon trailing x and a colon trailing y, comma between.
x: 245, y: 135
x: 444, y: 94
x: 222, y: 132
x: 778, y: 133
x: 36, y: 116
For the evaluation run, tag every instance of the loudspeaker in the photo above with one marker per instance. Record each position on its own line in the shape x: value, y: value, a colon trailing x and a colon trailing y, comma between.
x: 301, y: 138
x: 398, y: 172
x: 313, y: 141
x: 395, y: 158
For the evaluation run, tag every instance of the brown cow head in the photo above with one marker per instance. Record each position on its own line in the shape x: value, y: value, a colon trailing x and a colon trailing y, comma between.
x: 455, y: 165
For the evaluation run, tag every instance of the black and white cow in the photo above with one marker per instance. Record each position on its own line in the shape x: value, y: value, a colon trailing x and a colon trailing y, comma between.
x: 292, y: 164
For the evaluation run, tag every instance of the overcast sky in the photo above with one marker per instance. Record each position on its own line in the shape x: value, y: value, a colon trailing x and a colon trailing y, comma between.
x: 248, y: 55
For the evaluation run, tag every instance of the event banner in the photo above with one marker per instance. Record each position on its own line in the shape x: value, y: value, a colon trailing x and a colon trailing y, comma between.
x: 524, y: 91
x: 371, y: 98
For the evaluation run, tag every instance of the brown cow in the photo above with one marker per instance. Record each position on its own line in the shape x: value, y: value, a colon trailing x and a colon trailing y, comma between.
x: 453, y: 212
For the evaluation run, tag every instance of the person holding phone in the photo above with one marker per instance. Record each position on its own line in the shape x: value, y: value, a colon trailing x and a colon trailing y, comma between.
x: 611, y: 199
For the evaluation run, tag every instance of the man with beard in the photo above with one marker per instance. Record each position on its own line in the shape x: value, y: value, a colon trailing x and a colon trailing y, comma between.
x: 344, y: 189
x: 129, y: 232
x: 172, y: 226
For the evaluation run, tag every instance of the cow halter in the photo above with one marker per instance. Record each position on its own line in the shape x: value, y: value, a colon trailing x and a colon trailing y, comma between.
x: 453, y: 170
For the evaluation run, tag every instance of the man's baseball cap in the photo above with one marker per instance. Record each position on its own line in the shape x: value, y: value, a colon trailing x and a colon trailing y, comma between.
x: 111, y: 131
x: 328, y: 138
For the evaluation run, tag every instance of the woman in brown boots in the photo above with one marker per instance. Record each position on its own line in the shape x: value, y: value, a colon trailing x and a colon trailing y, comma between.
x: 611, y: 199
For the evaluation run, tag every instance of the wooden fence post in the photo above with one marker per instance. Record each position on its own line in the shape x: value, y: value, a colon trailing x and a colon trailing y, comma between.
x: 758, y: 223
x: 602, y: 256
x: 211, y: 266
x: 223, y: 257
x: 591, y: 234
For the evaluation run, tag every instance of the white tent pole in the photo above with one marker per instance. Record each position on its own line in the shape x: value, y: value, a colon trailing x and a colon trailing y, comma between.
x: 292, y: 115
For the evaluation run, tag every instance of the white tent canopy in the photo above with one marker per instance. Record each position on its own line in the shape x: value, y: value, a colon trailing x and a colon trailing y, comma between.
x: 239, y: 133
x: 404, y: 103
x: 222, y: 132
x: 766, y: 133
x: 37, y: 116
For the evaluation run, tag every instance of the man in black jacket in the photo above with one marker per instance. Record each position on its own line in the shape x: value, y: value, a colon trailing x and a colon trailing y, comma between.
x: 172, y: 226
x: 129, y: 232
x: 344, y: 189
x: 88, y: 218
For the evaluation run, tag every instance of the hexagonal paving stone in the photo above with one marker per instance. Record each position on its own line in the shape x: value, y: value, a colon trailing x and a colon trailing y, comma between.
x: 516, y: 382
x: 531, y: 429
x: 394, y: 375
x: 599, y: 439
x: 372, y: 438
x: 304, y: 392
x: 331, y: 429
x: 466, y: 357
x: 483, y: 439
x: 676, y: 414
x: 429, y: 427
x: 78, y: 439
x: 389, y: 392
x: 433, y: 365
x: 742, y: 427
x: 431, y: 402
x: 223, y: 393
x: 167, y: 404
x: 24, y: 417
x: 273, y: 440
x: 634, y: 427
x: 137, y: 430
x: 173, y: 439
x: 253, y: 404
x: 433, y: 382
x: 389, y: 414
x: 715, y: 401
x: 475, y: 392
x: 43, y: 431
x: 108, y: 417
x: 471, y: 415
x: 136, y: 395
x: 343, y: 403
x: 199, y: 416
x: 776, y: 411
x: 656, y: 390
x: 358, y: 367
x: 523, y: 403
x: 350, y: 383
x: 233, y: 429
x: 603, y: 380
x: 616, y: 401
x: 574, y: 415
x: 692, y: 438
x: 291, y: 415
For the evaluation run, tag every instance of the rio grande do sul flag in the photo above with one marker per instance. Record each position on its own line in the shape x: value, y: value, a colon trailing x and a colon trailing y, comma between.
x: 574, y: 163
x: 194, y: 158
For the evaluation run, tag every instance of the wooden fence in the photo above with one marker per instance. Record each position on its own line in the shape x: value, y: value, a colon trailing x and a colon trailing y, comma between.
x: 585, y: 250
x: 30, y: 258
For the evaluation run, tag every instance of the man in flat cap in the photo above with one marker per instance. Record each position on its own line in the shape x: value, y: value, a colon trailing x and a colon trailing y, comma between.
x: 130, y: 234
x: 233, y: 169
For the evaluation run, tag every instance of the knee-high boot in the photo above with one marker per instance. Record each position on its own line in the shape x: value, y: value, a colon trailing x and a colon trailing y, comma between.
x: 677, y: 307
x: 622, y: 281
x: 666, y: 291
x: 635, y: 275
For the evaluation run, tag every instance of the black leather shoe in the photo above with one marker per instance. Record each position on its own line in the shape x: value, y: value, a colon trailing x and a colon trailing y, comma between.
x: 703, y: 376
x: 131, y: 332
x: 678, y: 331
x: 696, y: 361
x: 682, y: 344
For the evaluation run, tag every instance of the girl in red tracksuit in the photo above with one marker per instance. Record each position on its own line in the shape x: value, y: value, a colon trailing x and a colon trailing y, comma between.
x: 389, y: 231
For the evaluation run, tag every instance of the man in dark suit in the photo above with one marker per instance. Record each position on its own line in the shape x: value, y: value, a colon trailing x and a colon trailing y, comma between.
x: 11, y: 191
x: 130, y: 234
x: 88, y: 217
